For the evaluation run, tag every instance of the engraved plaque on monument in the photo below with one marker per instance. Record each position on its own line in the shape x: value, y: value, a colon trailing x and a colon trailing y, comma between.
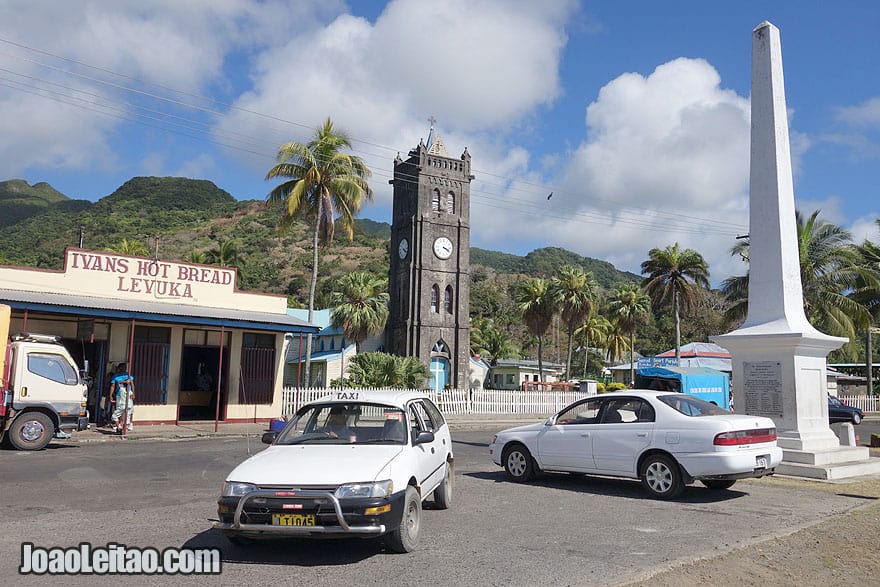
x: 762, y: 387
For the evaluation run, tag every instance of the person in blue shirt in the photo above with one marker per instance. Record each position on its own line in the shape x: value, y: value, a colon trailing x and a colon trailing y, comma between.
x: 122, y: 396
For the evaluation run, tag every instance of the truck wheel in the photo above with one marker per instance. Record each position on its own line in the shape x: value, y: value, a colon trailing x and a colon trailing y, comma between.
x: 31, y: 431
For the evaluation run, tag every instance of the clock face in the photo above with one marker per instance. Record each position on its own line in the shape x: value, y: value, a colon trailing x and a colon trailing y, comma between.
x: 403, y: 248
x: 443, y: 247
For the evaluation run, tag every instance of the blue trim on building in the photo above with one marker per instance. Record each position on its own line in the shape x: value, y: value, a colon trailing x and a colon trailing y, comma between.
x: 156, y: 317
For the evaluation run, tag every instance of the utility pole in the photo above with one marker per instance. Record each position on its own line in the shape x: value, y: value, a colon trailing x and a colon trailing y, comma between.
x: 82, y: 235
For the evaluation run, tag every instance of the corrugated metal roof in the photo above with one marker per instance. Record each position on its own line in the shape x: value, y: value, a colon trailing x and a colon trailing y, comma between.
x: 153, y: 311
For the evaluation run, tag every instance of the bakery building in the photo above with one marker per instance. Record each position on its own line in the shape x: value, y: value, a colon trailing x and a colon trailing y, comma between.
x: 198, y: 348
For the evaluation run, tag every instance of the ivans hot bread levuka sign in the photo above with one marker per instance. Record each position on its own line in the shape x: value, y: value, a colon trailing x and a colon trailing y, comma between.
x: 140, y: 277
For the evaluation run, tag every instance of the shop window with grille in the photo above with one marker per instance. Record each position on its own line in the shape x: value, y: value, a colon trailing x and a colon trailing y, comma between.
x: 150, y: 360
x: 257, y: 382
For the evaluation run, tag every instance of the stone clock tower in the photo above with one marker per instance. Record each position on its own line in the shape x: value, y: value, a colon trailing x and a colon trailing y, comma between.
x: 429, y: 279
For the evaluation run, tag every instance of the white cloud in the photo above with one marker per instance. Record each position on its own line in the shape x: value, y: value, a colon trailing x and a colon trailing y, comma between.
x: 866, y: 228
x: 864, y: 115
x: 665, y: 159
x: 180, y: 45
x: 480, y: 67
x: 830, y: 209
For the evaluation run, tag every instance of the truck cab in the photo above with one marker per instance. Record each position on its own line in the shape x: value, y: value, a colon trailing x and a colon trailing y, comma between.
x: 43, y: 393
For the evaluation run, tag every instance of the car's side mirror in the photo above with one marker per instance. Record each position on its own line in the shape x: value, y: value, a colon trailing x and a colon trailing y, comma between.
x: 550, y: 421
x: 269, y: 437
x: 423, y: 438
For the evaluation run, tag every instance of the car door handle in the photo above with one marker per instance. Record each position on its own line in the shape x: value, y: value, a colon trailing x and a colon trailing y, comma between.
x: 585, y: 434
x: 432, y: 450
x: 642, y: 434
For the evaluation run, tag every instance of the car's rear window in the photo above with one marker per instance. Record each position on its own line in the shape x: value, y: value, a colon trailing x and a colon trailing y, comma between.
x: 691, y: 406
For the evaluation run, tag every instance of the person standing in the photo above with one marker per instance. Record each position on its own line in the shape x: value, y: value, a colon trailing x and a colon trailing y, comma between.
x: 122, y: 395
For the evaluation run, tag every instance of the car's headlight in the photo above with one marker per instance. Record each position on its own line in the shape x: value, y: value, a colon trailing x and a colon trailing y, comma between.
x: 236, y: 489
x: 376, y: 489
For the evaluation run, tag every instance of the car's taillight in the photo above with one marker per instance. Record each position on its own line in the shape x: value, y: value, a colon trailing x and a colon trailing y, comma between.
x: 745, y: 437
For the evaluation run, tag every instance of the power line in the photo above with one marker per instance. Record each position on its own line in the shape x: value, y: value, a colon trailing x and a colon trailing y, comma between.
x: 199, y: 130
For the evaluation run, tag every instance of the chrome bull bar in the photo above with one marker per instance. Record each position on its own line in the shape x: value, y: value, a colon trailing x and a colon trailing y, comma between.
x: 343, y: 528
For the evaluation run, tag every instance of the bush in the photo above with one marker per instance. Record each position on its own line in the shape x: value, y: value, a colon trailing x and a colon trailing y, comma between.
x: 600, y: 387
x: 615, y: 386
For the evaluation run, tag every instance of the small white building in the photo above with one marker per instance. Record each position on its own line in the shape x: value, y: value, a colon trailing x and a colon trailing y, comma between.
x: 513, y: 374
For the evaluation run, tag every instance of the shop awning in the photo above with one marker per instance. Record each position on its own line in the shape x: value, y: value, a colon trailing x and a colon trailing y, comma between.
x: 92, y: 306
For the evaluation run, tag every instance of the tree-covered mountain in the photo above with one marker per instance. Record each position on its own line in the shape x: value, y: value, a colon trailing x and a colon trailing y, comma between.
x: 187, y: 218
x: 19, y: 200
x: 545, y: 261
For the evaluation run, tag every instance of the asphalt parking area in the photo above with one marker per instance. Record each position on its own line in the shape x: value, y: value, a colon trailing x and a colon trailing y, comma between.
x: 559, y: 528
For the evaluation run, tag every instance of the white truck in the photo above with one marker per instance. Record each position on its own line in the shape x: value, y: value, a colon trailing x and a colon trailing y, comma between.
x: 42, y: 393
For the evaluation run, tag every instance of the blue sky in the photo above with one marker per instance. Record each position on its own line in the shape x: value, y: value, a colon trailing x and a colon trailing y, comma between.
x: 634, y: 114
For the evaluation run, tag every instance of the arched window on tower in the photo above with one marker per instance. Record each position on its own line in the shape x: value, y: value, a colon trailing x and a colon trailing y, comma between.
x: 450, y: 203
x: 435, y: 200
x: 447, y: 299
x: 435, y: 298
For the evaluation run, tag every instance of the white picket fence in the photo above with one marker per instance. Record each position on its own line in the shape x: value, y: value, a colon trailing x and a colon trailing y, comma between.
x: 866, y: 403
x: 501, y: 401
x: 459, y: 401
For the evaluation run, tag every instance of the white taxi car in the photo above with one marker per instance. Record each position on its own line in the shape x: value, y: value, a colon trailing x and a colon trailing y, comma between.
x: 355, y: 463
x: 668, y: 440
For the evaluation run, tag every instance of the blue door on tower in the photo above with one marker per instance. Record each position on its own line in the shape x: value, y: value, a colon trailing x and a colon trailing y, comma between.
x: 439, y: 373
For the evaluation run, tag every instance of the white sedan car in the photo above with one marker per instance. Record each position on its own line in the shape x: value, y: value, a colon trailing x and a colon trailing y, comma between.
x: 667, y: 440
x: 356, y: 463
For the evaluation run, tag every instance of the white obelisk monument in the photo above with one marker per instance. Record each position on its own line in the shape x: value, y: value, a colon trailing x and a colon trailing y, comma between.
x: 779, y: 367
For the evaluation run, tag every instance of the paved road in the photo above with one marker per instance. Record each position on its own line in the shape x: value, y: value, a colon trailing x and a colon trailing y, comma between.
x: 559, y: 530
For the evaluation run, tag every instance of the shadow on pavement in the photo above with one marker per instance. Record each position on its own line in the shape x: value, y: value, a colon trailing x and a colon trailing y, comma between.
x: 483, y: 444
x: 289, y: 551
x: 617, y: 487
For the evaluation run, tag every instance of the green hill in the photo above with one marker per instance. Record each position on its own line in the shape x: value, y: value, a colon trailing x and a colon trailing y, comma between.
x: 19, y: 200
x: 192, y: 216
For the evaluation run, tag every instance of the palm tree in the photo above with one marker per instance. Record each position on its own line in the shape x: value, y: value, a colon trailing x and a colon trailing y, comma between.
x: 616, y: 343
x: 675, y: 278
x: 573, y: 292
x: 630, y: 308
x: 534, y: 302
x: 198, y: 257
x: 132, y: 247
x: 323, y: 180
x: 595, y: 329
x: 360, y: 306
x: 493, y: 343
x: 867, y: 293
x: 384, y: 370
x: 224, y: 254
x: 831, y: 270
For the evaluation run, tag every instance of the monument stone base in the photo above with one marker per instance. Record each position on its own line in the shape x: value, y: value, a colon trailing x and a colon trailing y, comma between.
x: 843, y: 463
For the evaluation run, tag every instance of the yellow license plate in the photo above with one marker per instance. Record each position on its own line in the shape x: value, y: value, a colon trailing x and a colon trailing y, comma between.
x: 293, y: 519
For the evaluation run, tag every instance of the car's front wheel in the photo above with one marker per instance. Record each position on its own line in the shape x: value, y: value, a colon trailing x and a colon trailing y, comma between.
x: 717, y: 484
x: 661, y: 477
x: 856, y: 419
x: 443, y: 493
x: 518, y: 462
x: 405, y: 537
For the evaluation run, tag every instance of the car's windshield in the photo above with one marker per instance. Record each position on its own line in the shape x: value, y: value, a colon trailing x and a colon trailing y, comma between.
x: 690, y: 405
x: 346, y: 423
x: 833, y: 401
